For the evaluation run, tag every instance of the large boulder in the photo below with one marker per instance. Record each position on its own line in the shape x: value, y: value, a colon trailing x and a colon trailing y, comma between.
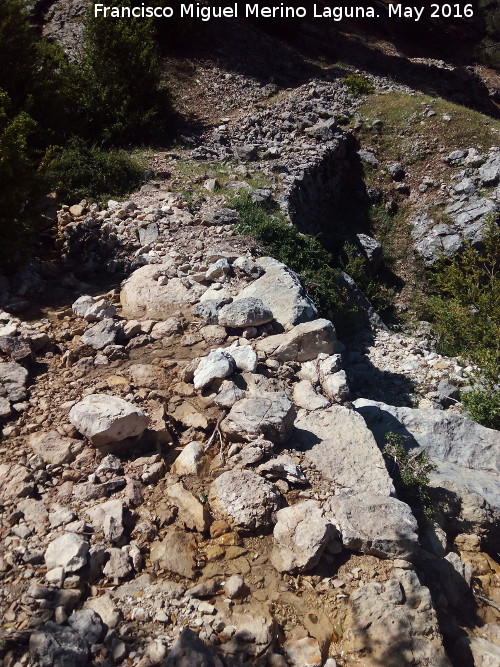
x: 281, y: 292
x: 374, y: 524
x: 394, y: 623
x: 18, y: 348
x: 190, y: 460
x: 16, y: 481
x: 466, y: 482
x: 13, y: 381
x: 244, y: 499
x: 443, y: 435
x: 93, y: 310
x: 338, y: 444
x: 270, y: 415
x: 108, y: 518
x: 300, y: 535
x: 104, y: 419
x: 142, y: 295
x: 305, y: 396
x: 302, y: 343
x: 468, y: 500
x: 484, y: 653
x: 101, y: 334
x: 69, y: 551
x: 244, y: 356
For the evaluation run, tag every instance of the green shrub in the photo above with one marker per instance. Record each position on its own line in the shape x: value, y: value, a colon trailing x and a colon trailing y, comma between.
x: 358, y: 85
x: 112, y: 96
x: 18, y: 54
x: 356, y: 265
x: 483, y: 405
x: 81, y: 172
x: 410, y: 471
x: 18, y: 177
x: 466, y: 310
x: 303, y: 254
x: 118, y: 91
x: 34, y: 74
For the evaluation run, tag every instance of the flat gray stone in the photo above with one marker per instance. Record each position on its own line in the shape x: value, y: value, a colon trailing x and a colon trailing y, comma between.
x: 101, y: 334
x: 302, y: 343
x: 270, y: 415
x: 282, y: 294
x: 374, y: 524
x: 339, y: 445
x: 245, y: 312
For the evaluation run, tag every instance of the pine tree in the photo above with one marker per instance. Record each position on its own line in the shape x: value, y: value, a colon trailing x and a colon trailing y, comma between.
x: 120, y: 95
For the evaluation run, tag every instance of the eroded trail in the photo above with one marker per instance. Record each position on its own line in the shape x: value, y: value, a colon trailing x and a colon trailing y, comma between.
x: 191, y: 470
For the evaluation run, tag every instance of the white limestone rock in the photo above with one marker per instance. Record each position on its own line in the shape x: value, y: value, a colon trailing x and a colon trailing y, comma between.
x: 104, y: 419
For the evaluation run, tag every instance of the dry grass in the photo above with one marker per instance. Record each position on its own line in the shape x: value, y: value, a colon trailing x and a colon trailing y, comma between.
x: 411, y: 136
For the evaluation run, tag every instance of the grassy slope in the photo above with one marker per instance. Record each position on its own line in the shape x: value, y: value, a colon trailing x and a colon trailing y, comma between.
x: 420, y: 142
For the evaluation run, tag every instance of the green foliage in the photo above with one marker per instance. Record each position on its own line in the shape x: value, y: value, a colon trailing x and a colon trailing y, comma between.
x: 358, y: 85
x: 18, y: 53
x: 120, y: 99
x: 33, y: 73
x: 81, y: 172
x: 410, y: 472
x: 483, y: 405
x: 112, y: 96
x: 16, y: 173
x: 466, y: 310
x: 303, y: 254
x: 356, y: 265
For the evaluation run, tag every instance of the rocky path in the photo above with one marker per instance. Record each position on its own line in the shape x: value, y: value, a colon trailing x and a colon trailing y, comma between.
x: 190, y: 467
x: 183, y: 470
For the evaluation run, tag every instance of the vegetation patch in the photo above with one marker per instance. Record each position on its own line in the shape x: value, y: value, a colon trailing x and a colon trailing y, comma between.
x: 358, y: 85
x: 302, y: 253
x: 466, y: 308
x: 82, y: 172
x: 410, y: 472
x: 465, y: 312
x: 121, y: 105
x: 58, y: 118
x: 410, y: 135
x: 482, y: 404
x: 355, y: 265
